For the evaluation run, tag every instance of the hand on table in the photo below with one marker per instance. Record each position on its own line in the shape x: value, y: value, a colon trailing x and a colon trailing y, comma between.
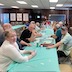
x: 40, y: 35
x: 50, y: 46
x: 31, y: 39
x: 29, y: 51
x: 33, y: 53
x: 28, y: 44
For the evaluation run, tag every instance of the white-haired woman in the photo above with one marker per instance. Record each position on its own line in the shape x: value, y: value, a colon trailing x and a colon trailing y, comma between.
x: 9, y: 51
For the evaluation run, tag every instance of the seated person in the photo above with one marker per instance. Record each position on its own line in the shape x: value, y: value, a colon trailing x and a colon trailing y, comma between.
x: 61, y: 23
x: 37, y: 28
x: 2, y: 37
x: 27, y: 34
x: 54, y: 26
x: 9, y: 51
x: 65, y: 44
x: 43, y: 24
x: 35, y: 33
x: 20, y: 42
x: 57, y: 34
x: 32, y: 22
x: 6, y: 26
x: 47, y: 22
x: 26, y: 24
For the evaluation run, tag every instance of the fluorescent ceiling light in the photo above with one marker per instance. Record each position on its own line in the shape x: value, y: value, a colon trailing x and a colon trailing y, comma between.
x: 59, y: 5
x: 62, y: 8
x: 52, y: 7
x: 53, y: 0
x: 1, y: 4
x: 34, y: 6
x: 21, y: 2
x: 14, y: 6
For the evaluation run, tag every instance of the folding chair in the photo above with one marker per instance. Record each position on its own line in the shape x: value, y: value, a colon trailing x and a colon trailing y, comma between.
x: 68, y: 58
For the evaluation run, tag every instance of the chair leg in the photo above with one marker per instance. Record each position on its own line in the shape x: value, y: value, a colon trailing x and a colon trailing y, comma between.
x: 68, y: 58
x: 71, y: 61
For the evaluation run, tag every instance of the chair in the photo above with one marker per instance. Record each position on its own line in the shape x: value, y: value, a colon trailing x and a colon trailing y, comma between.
x: 65, y: 68
x: 68, y: 58
x: 71, y: 56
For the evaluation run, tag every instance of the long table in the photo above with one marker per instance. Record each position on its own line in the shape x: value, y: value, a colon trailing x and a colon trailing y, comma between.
x: 46, y: 60
x: 18, y: 26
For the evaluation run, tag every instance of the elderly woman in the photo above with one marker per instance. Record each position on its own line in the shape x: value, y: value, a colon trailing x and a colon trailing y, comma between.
x: 9, y: 51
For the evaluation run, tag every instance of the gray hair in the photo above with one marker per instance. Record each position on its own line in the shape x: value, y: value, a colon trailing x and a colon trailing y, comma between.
x: 64, y: 28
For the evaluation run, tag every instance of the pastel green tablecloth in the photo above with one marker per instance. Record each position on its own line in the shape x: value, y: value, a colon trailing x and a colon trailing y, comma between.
x: 18, y: 26
x: 45, y: 61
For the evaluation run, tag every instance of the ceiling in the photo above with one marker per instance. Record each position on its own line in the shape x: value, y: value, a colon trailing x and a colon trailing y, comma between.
x: 42, y: 4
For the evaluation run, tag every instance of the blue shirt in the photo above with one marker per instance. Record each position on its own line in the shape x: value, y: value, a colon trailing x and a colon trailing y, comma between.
x: 27, y: 24
x: 58, y: 34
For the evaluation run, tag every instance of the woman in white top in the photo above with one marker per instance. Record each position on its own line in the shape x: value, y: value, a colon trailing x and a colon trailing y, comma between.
x: 10, y: 52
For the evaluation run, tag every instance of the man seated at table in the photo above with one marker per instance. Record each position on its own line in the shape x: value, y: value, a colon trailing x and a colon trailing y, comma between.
x: 36, y: 29
x: 57, y: 34
x: 2, y: 38
x: 36, y: 25
x: 65, y: 44
x: 9, y: 51
x: 27, y: 34
x: 20, y: 42
x: 35, y: 32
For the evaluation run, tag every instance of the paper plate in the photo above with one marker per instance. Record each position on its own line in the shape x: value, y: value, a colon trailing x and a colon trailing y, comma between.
x: 49, y: 41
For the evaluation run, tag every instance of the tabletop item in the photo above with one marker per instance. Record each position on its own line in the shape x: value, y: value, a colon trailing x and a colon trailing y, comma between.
x: 45, y: 44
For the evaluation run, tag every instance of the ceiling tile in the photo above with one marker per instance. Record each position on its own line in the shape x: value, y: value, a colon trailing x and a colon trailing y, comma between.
x: 43, y: 4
